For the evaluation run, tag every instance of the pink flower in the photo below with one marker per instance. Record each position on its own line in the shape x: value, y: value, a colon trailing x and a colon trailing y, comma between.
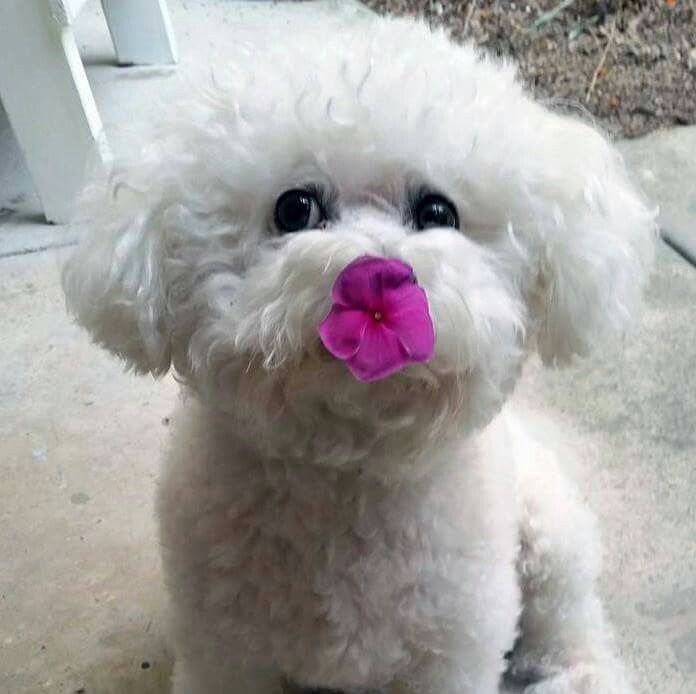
x: 379, y: 321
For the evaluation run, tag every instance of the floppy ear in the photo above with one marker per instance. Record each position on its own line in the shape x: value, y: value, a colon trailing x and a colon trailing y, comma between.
x: 596, y: 239
x: 113, y: 284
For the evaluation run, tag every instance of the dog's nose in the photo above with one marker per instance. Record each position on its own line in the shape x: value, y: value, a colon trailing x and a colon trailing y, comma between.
x: 380, y: 319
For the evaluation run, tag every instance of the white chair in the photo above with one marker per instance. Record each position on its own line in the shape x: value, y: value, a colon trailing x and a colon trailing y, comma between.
x: 44, y: 89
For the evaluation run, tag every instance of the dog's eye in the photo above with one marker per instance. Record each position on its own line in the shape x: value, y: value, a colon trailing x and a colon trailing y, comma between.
x: 297, y: 210
x: 433, y: 210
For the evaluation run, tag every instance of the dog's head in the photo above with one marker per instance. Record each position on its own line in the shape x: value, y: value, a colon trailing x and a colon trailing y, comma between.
x: 221, y: 244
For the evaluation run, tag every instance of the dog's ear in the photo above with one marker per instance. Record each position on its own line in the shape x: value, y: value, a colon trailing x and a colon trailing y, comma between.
x: 595, y: 240
x: 113, y: 282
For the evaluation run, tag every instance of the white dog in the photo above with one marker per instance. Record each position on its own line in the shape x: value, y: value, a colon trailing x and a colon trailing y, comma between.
x: 346, y: 255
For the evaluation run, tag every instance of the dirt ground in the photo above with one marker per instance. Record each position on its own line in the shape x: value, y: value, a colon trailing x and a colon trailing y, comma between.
x: 630, y: 63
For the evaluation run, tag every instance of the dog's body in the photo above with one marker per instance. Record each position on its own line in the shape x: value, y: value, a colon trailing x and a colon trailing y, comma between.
x: 341, y: 580
x: 392, y: 534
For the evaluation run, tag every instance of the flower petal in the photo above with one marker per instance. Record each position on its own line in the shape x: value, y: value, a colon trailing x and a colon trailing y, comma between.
x: 406, y: 312
x: 342, y: 331
x: 380, y: 354
x: 361, y: 283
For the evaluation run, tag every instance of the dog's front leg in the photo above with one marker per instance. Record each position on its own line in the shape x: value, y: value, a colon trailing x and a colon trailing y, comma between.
x: 565, y: 644
x: 440, y: 674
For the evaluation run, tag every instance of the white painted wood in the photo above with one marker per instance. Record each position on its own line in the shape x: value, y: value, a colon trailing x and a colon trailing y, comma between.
x: 62, y: 11
x: 75, y: 6
x: 48, y: 100
x: 65, y: 11
x: 141, y: 31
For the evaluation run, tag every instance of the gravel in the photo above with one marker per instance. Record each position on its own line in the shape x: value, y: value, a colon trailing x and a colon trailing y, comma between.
x: 630, y: 63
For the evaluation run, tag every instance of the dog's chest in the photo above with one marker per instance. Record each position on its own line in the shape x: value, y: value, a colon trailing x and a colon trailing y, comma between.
x: 324, y: 572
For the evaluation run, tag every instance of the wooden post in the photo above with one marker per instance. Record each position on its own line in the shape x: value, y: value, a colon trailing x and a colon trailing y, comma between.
x: 48, y: 100
x: 141, y: 31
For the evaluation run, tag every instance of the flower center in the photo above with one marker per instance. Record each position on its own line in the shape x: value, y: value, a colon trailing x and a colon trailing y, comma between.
x: 377, y: 315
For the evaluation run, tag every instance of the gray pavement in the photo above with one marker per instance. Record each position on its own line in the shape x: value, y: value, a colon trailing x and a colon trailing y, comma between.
x: 664, y: 165
x: 80, y: 584
x: 634, y: 410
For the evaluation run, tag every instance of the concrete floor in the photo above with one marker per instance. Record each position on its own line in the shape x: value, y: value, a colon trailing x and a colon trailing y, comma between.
x: 80, y: 586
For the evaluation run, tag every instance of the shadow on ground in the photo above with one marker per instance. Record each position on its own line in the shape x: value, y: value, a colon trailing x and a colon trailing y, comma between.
x: 125, y: 669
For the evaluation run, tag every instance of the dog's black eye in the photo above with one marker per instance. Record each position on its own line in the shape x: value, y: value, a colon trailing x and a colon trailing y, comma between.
x: 297, y: 210
x: 433, y: 210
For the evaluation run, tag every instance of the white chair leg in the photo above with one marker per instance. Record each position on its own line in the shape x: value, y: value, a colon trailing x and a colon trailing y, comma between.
x: 141, y: 31
x: 48, y: 100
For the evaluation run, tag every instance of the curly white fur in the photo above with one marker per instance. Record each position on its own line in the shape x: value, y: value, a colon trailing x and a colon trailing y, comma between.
x: 398, y: 536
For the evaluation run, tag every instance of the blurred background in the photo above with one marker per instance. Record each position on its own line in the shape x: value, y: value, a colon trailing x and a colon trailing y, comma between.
x: 630, y: 63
